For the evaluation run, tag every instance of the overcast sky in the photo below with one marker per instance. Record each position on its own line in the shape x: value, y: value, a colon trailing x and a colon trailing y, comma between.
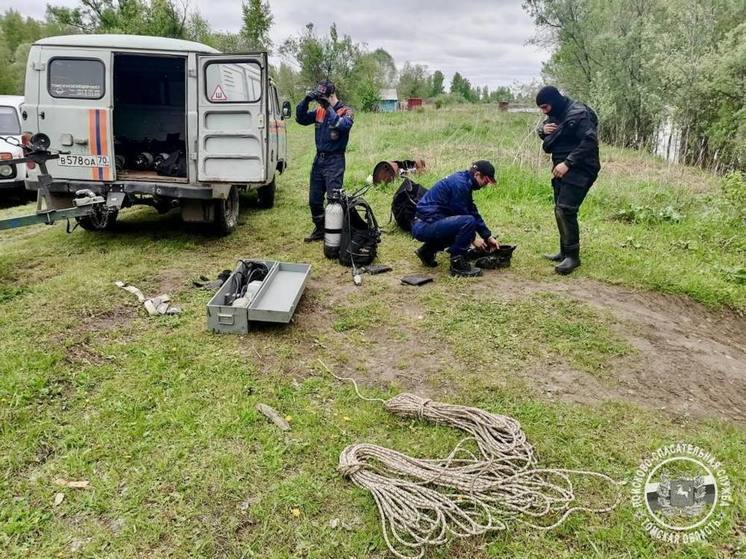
x: 485, y: 40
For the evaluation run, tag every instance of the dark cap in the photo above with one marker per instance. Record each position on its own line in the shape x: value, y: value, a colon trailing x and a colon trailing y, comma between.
x: 326, y: 88
x: 484, y: 167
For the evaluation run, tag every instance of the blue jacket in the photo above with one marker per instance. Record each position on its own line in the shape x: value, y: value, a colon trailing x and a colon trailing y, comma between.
x: 332, y: 125
x: 451, y: 196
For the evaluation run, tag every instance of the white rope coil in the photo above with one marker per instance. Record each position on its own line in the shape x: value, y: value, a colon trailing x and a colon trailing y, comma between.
x: 469, y: 492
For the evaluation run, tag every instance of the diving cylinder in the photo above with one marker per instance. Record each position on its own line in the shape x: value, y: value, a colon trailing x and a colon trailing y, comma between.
x: 144, y: 161
x: 333, y: 219
x: 159, y: 160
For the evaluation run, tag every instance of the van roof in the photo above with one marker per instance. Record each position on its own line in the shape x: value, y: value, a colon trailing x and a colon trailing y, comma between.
x: 130, y: 42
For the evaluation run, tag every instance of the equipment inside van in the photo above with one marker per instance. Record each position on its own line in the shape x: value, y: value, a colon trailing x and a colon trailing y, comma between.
x: 149, y: 122
x: 156, y: 121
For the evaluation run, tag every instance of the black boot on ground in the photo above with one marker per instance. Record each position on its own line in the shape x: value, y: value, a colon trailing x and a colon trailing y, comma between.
x: 463, y: 269
x: 558, y: 257
x: 571, y: 261
x: 316, y: 235
x: 426, y: 256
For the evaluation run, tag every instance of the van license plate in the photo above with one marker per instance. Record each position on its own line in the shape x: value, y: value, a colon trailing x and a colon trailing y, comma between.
x: 70, y: 160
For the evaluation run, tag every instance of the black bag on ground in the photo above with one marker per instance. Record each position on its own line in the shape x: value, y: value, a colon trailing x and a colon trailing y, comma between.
x: 360, y: 234
x: 404, y: 204
x: 174, y: 165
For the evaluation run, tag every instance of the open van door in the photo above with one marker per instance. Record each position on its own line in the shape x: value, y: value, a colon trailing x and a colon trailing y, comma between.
x: 74, y: 110
x: 232, y: 144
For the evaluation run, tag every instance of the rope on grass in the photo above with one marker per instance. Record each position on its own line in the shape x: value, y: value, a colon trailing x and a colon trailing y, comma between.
x: 489, y: 478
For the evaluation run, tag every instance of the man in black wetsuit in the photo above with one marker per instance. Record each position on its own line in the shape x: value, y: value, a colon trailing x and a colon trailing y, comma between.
x: 569, y: 133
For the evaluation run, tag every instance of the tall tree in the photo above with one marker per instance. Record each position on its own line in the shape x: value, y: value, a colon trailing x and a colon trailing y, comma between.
x: 16, y: 36
x: 639, y: 62
x: 321, y: 57
x: 164, y: 18
x: 388, y: 72
x: 257, y: 21
x: 438, y: 79
x: 413, y: 81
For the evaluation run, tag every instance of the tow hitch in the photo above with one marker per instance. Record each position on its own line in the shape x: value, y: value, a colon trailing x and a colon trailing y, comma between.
x: 86, y: 203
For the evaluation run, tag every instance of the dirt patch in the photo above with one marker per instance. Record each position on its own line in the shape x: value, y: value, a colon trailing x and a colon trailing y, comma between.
x: 170, y: 281
x: 390, y: 352
x: 102, y: 323
x: 77, y: 341
x: 690, y: 360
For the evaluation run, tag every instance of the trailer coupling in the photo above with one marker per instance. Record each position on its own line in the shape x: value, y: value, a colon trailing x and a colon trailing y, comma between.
x: 85, y: 204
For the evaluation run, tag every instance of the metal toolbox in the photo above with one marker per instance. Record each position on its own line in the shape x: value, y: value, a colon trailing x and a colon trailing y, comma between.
x: 275, y: 301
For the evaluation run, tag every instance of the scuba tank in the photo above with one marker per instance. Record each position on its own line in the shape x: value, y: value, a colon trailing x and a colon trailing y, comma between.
x: 143, y: 161
x: 333, y: 220
x: 120, y: 162
x: 159, y: 160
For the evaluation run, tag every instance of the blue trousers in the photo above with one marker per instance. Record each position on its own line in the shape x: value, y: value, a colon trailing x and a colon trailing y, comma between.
x: 456, y: 232
x: 327, y: 175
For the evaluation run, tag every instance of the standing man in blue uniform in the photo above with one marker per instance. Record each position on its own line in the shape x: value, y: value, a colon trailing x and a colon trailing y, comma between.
x: 448, y: 217
x: 570, y: 134
x: 333, y: 121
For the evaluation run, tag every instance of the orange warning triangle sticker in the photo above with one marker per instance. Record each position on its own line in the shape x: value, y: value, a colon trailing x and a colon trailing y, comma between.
x: 218, y: 94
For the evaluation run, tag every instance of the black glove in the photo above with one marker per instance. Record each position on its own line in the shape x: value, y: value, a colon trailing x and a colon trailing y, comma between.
x: 311, y: 95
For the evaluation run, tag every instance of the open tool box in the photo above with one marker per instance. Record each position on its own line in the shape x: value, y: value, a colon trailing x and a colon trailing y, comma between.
x: 273, y: 299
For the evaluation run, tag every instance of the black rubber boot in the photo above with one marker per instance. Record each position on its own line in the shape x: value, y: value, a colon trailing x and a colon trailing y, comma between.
x: 558, y: 257
x: 316, y: 235
x: 427, y: 256
x: 318, y: 231
x: 462, y: 269
x: 571, y: 261
x: 559, y: 217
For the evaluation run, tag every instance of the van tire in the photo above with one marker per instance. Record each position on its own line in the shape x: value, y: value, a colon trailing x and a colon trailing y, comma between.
x: 226, y: 213
x: 99, y: 221
x: 266, y: 195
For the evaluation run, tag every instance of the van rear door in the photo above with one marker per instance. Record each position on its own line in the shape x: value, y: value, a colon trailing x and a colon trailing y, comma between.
x: 232, y: 135
x: 74, y: 110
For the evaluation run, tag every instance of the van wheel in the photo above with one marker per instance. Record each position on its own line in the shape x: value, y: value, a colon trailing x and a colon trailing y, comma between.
x: 266, y: 195
x: 226, y: 213
x: 98, y: 221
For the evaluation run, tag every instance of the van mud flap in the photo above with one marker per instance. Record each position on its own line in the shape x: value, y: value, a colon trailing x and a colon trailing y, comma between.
x: 197, y: 211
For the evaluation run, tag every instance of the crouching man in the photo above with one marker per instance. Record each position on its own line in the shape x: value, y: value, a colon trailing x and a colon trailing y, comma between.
x: 446, y: 217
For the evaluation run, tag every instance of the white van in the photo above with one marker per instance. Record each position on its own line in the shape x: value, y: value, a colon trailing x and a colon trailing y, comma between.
x: 12, y: 177
x: 156, y: 121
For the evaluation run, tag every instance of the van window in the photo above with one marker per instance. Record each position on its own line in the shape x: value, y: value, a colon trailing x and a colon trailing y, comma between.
x: 233, y: 82
x: 9, y: 123
x: 275, y: 102
x: 76, y: 78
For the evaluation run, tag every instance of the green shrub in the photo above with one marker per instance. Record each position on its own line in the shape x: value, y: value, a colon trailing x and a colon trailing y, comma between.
x: 734, y: 190
x: 646, y: 214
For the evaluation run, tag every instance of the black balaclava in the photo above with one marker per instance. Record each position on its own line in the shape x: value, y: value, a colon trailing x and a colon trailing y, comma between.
x: 550, y: 95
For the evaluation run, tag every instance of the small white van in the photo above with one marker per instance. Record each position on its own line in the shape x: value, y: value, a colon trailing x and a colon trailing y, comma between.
x: 12, y: 177
x: 156, y: 121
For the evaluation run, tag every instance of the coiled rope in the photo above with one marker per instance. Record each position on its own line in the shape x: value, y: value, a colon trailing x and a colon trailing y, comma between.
x: 489, y: 478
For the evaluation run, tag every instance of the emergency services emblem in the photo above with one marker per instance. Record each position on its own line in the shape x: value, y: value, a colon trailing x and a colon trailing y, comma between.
x: 681, y: 494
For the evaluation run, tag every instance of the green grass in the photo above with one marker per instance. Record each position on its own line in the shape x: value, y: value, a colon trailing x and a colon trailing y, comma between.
x: 159, y: 415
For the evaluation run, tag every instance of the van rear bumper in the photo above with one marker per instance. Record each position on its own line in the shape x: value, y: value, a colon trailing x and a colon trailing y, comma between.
x: 183, y: 191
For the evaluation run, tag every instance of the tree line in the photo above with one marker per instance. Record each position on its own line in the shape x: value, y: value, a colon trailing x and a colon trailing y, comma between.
x: 642, y: 63
x: 306, y: 58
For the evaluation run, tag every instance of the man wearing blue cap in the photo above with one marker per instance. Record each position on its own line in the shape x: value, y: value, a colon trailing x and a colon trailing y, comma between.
x: 446, y: 216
